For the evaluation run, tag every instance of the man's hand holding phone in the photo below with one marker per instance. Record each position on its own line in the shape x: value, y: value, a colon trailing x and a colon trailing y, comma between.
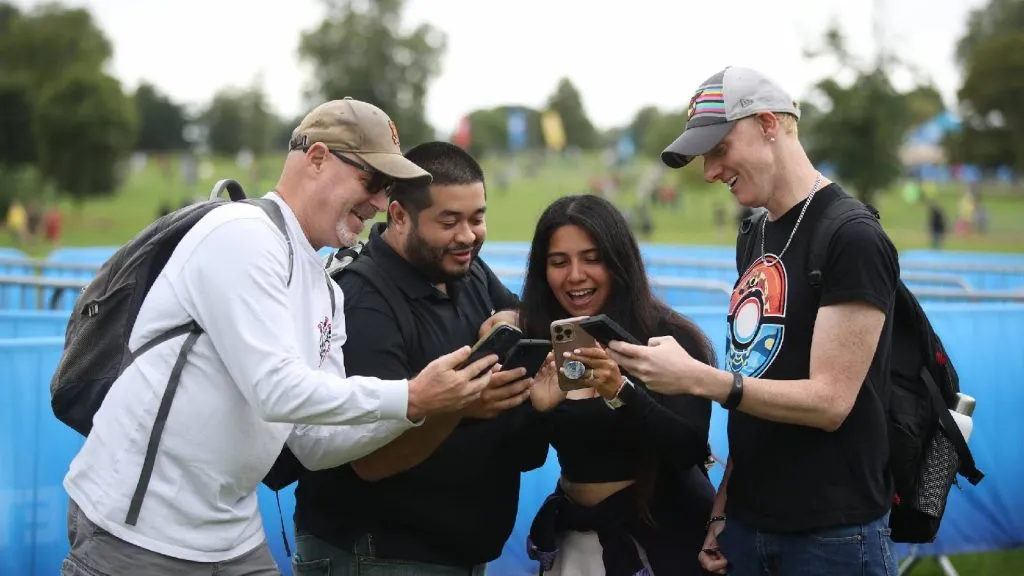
x: 506, y: 390
x: 443, y: 387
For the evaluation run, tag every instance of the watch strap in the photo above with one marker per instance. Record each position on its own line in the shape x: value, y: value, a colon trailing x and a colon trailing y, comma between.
x: 735, y: 393
x: 622, y: 396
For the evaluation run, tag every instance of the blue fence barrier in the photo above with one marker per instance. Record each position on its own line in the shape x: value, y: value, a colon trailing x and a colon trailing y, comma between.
x: 984, y: 340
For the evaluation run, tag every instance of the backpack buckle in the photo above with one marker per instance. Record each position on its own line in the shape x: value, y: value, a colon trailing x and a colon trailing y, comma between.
x: 92, y: 309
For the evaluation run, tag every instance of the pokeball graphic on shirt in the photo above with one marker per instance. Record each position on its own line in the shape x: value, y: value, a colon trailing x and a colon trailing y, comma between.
x: 757, y: 318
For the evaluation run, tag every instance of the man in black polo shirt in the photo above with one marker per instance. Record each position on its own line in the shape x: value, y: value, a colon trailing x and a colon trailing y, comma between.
x: 807, y: 488
x: 442, y: 498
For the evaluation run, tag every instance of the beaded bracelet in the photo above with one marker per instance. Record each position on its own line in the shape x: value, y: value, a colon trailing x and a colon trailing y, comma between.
x: 713, y: 520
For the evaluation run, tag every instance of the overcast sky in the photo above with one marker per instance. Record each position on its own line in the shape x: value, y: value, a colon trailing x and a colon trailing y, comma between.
x: 622, y: 56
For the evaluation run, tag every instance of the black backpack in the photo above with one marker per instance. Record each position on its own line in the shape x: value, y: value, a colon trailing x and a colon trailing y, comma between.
x: 96, y: 348
x: 926, y: 448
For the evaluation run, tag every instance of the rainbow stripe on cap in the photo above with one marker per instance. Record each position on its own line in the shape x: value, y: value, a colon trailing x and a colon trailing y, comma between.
x: 709, y: 99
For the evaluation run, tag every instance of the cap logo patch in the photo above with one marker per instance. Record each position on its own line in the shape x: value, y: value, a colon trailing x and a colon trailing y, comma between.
x: 394, y: 132
x: 708, y: 100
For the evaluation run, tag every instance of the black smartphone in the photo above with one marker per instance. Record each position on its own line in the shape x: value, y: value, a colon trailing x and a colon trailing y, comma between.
x: 529, y: 354
x: 604, y: 330
x: 500, y: 340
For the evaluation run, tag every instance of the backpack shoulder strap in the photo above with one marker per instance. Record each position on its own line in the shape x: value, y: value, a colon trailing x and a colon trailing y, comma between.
x: 371, y: 272
x: 840, y: 211
x: 273, y: 211
x: 750, y: 228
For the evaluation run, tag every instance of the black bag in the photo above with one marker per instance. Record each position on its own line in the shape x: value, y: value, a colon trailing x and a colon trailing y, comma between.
x: 926, y: 448
x: 96, y: 350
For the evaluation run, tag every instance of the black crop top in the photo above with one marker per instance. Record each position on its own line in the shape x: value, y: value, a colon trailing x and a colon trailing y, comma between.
x: 597, y: 444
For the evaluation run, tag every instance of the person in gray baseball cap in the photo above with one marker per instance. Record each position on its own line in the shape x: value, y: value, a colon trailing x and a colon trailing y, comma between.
x: 807, y: 356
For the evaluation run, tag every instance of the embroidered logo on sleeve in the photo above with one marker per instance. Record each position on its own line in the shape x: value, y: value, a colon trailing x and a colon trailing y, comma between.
x: 325, y: 338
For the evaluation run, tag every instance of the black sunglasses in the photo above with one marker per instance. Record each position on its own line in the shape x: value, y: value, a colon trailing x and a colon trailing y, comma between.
x: 378, y: 180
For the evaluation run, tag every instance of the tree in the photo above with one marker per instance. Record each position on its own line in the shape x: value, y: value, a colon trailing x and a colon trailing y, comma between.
x: 862, y: 129
x: 161, y: 122
x: 490, y: 129
x: 239, y: 120
x: 646, y: 119
x: 359, y: 50
x: 42, y: 45
x: 17, y: 145
x: 85, y: 127
x: 62, y: 113
x: 225, y: 123
x: 567, y: 102
x: 923, y: 104
x: 991, y: 96
x: 996, y: 18
x: 991, y: 63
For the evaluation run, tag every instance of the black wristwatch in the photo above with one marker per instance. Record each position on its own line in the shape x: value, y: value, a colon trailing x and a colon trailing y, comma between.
x: 736, y: 393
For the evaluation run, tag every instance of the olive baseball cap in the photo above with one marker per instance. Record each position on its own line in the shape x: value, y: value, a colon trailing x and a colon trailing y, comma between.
x: 730, y: 95
x: 359, y: 128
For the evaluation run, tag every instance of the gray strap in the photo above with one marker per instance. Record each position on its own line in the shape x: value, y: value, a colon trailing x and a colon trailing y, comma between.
x: 158, y: 429
x: 273, y: 212
x: 330, y: 290
x: 172, y: 333
x: 643, y: 556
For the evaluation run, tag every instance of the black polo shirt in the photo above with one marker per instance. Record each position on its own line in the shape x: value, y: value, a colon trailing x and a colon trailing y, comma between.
x: 459, y: 506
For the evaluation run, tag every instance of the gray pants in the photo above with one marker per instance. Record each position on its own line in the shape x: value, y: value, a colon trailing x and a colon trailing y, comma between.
x: 314, y: 557
x: 95, y: 552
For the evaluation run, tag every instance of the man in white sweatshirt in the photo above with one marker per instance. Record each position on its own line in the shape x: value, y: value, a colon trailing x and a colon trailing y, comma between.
x: 267, y: 369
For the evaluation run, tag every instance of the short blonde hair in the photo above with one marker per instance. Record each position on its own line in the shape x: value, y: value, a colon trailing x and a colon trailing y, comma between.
x: 788, y: 123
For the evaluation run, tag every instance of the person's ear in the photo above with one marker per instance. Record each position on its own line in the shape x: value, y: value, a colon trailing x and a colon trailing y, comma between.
x: 769, y: 124
x: 316, y: 156
x: 398, y: 215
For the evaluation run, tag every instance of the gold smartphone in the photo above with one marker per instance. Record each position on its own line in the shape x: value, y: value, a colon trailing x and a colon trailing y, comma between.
x: 566, y: 336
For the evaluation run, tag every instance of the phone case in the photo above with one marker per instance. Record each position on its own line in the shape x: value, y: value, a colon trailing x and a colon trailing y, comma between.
x: 499, y: 341
x: 566, y: 336
x: 604, y: 329
x: 529, y: 354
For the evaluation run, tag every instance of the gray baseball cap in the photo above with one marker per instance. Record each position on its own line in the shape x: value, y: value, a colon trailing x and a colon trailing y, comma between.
x: 730, y: 95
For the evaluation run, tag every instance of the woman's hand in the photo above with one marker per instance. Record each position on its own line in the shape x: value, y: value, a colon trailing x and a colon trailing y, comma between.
x: 545, y: 394
x: 602, y: 373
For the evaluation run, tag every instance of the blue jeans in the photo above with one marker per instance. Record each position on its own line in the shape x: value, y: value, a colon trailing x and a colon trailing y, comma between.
x: 863, y: 550
x: 314, y: 557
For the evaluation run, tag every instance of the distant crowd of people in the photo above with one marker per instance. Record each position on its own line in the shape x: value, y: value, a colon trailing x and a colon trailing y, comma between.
x: 31, y: 224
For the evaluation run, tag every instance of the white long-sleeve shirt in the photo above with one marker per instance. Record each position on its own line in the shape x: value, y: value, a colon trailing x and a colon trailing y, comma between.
x: 267, y: 370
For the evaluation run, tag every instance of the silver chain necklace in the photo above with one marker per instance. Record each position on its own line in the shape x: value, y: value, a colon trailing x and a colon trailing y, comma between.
x: 764, y: 222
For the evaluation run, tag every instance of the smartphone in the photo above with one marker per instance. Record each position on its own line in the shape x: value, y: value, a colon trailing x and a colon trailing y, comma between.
x: 604, y: 330
x: 500, y: 340
x: 529, y: 354
x: 566, y: 336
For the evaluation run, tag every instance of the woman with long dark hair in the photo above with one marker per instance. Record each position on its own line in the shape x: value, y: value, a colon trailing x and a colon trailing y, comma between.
x: 633, y: 492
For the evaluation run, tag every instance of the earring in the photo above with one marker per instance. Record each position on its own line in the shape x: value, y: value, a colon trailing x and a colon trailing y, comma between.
x: 771, y: 138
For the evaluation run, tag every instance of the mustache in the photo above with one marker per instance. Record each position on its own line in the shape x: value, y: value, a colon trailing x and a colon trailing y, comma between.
x: 461, y: 248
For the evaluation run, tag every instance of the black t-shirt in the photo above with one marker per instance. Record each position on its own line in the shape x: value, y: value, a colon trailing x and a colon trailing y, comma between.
x: 458, y: 506
x: 786, y: 477
x: 595, y: 444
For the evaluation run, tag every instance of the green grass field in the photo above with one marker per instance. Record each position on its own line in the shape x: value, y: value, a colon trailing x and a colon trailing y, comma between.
x: 512, y: 213
x: 513, y: 210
